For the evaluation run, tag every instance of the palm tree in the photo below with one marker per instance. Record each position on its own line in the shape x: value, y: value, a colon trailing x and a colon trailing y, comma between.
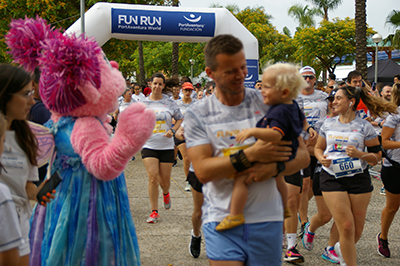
x: 326, y: 5
x: 393, y: 21
x: 304, y: 15
x: 361, y: 38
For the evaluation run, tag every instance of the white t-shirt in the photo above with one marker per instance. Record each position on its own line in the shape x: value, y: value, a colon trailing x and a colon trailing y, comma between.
x: 210, y: 122
x: 123, y: 105
x: 184, y: 106
x: 19, y: 172
x: 338, y: 136
x: 165, y: 109
x: 393, y: 121
x: 10, y: 231
x: 315, y: 105
x: 139, y: 97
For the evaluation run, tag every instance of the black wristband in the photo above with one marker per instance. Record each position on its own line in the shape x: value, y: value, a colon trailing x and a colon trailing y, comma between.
x: 308, y: 129
x: 240, y: 162
x: 173, y: 131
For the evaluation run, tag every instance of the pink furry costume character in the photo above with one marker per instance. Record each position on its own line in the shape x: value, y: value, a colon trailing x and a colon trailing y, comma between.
x: 89, y: 222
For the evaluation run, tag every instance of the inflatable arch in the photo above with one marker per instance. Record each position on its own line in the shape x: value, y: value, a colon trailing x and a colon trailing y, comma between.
x: 160, y: 23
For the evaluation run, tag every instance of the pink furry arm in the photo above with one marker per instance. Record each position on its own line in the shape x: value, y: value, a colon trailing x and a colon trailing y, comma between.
x: 105, y: 158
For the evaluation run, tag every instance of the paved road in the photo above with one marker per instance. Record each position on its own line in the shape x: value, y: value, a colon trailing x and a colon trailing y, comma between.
x: 166, y: 242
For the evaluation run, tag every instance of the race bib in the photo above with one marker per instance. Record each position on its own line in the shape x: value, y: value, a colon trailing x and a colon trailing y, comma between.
x: 346, y: 166
x: 160, y: 127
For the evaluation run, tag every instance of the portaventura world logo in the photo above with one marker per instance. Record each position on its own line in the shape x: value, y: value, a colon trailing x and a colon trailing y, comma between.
x: 191, y: 24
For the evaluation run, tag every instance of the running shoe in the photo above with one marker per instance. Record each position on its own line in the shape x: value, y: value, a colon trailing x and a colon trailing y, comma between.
x: 383, y: 246
x: 339, y: 254
x: 308, y: 238
x: 330, y: 255
x: 293, y: 256
x: 383, y: 191
x: 153, y: 217
x: 195, y: 246
x: 301, y: 233
x: 188, y: 187
x: 167, y: 201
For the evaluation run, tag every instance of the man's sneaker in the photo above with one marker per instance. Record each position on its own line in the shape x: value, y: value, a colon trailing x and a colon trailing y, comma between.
x: 293, y: 256
x: 301, y: 233
x: 383, y: 246
x: 188, y: 187
x: 330, y: 255
x: 284, y: 241
x: 195, y: 246
x: 383, y: 191
x: 153, y: 217
x: 308, y: 238
x: 339, y: 254
x: 167, y: 201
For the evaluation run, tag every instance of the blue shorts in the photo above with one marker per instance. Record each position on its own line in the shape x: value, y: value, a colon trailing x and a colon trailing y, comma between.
x: 255, y: 244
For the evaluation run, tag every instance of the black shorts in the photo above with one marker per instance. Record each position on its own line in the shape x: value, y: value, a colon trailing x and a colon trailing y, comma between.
x: 309, y: 171
x: 194, y: 182
x: 358, y: 184
x: 316, y: 183
x: 296, y: 180
x: 164, y: 156
x: 178, y: 141
x: 390, y: 178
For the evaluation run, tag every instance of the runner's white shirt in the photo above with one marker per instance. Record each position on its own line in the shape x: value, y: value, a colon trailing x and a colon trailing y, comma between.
x: 184, y: 106
x: 165, y: 109
x: 139, y: 97
x: 315, y: 105
x: 338, y: 136
x: 210, y: 122
x: 10, y: 231
x: 393, y: 121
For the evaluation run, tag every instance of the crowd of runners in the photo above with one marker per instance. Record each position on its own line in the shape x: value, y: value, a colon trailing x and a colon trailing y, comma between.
x: 253, y: 157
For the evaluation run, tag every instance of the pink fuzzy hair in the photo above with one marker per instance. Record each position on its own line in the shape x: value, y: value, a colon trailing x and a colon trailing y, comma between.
x: 24, y: 40
x: 67, y: 63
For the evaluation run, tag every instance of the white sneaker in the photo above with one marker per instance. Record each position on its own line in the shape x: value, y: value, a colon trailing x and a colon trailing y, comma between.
x: 339, y: 254
x: 188, y: 187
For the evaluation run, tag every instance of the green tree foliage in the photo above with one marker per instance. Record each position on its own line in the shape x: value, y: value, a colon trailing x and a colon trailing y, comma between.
x: 319, y: 47
x: 158, y: 58
x: 304, y: 15
x: 326, y: 5
x: 393, y: 21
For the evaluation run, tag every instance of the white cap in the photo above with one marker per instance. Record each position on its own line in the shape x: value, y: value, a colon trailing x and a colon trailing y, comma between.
x: 307, y: 69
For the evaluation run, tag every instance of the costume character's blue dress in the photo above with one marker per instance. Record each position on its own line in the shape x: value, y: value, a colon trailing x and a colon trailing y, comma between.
x: 89, y: 222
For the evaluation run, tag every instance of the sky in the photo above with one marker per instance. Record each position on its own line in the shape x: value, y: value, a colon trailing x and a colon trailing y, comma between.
x: 377, y: 11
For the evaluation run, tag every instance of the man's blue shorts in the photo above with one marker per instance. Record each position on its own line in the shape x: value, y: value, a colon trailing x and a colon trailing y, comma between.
x: 255, y: 244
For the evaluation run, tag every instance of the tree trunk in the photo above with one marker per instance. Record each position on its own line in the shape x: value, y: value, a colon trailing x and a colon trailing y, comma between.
x: 142, y: 75
x: 361, y: 38
x: 175, y: 59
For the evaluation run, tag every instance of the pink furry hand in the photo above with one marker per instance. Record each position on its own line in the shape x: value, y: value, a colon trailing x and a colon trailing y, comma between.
x: 105, y: 158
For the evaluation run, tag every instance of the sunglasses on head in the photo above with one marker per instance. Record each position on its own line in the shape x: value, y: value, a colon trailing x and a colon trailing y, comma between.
x: 330, y: 87
x: 308, y: 77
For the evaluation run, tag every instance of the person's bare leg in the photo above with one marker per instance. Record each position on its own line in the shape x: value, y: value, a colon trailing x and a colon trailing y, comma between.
x: 225, y: 263
x: 24, y: 261
x: 359, y: 205
x: 196, y: 215
x: 340, y: 206
x: 322, y: 216
x: 152, y: 169
x: 293, y: 205
x: 165, y: 177
x: 388, y: 213
x: 304, y: 198
x: 239, y: 195
x: 186, y: 161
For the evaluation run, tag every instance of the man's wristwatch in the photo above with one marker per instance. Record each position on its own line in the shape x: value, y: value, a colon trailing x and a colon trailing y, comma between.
x: 173, y: 131
x: 281, y: 167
